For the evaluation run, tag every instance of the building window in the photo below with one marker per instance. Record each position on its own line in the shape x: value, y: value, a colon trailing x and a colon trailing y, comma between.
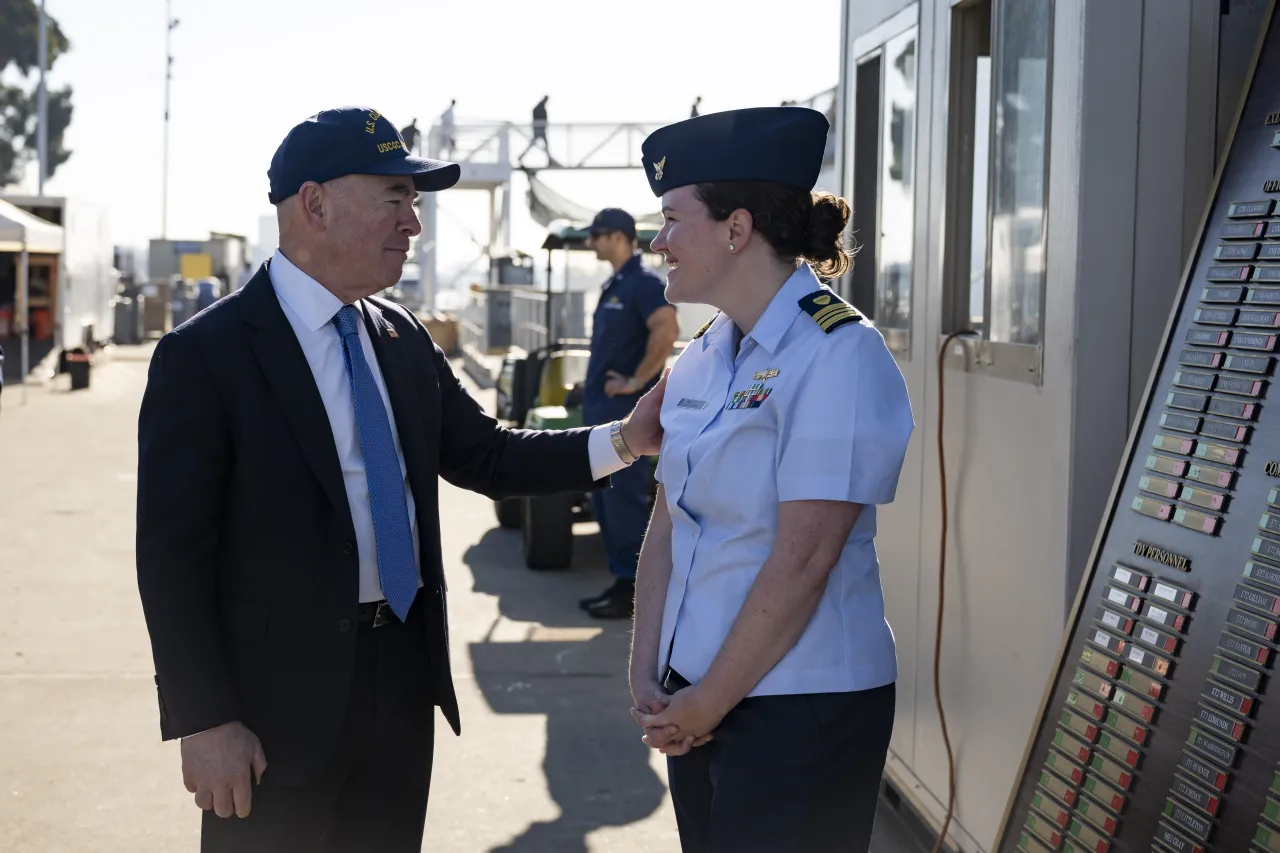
x: 998, y: 157
x: 864, y: 219
x: 897, y: 192
x: 884, y: 133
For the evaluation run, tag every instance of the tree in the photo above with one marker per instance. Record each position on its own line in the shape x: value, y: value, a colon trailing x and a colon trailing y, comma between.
x: 19, y: 48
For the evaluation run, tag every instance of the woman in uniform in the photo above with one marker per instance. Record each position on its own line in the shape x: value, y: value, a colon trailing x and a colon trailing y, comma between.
x: 762, y: 664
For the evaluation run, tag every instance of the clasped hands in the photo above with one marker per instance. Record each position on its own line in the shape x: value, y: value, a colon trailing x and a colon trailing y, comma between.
x: 674, y: 723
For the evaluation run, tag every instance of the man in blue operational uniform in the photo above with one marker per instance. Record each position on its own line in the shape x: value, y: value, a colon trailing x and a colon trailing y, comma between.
x: 632, y: 334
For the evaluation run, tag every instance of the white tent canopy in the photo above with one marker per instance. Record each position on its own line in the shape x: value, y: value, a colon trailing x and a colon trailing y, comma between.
x: 23, y: 233
x: 20, y: 230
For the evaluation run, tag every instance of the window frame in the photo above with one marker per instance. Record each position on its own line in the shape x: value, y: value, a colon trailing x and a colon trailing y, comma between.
x: 864, y: 298
x: 1019, y: 362
x: 868, y: 47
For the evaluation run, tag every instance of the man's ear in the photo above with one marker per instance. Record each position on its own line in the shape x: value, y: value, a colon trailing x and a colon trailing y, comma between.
x: 312, y: 202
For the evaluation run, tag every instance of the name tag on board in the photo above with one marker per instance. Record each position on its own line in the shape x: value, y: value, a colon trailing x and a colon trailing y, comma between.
x: 686, y: 403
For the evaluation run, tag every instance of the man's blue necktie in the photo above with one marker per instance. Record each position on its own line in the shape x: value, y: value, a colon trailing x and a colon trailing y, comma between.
x: 397, y: 569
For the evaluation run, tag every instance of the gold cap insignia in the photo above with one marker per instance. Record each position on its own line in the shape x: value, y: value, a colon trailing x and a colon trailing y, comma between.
x: 658, y: 167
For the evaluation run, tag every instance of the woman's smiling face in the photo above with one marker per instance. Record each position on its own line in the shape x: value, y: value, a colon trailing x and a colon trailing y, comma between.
x: 696, y: 247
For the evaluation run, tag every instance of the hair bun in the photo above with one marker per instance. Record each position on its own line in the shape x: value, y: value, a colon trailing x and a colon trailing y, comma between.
x: 794, y: 222
x: 824, y: 236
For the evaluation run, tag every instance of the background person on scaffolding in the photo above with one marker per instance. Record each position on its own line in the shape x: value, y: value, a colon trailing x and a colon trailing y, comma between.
x: 539, y: 130
x: 411, y: 134
x: 632, y: 333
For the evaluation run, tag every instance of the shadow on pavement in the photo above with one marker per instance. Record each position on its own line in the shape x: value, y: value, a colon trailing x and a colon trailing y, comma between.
x: 596, y: 768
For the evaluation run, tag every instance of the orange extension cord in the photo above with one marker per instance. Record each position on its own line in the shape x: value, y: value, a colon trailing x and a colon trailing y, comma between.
x: 942, y: 589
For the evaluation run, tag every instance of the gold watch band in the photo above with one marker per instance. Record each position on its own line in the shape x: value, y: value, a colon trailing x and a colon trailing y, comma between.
x: 620, y: 444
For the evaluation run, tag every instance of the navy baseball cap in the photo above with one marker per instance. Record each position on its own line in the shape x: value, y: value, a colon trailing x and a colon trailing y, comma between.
x: 350, y: 141
x: 779, y: 144
x: 613, y: 219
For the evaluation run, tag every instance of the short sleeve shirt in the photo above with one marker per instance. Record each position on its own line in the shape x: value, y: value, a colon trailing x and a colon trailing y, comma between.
x: 620, y: 335
x: 796, y: 414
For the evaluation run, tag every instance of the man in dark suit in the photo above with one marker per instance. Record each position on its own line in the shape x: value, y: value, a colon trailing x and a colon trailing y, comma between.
x: 288, y: 544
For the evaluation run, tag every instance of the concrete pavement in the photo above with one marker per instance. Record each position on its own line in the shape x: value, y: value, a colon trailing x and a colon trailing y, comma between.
x: 549, y: 759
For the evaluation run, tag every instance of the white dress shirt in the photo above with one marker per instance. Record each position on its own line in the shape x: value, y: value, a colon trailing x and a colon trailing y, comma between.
x: 310, y: 309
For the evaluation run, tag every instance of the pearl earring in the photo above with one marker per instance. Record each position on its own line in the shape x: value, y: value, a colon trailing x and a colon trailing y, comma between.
x: 730, y: 247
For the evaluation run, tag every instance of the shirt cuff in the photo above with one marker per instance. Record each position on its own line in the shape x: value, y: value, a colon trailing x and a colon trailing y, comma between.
x: 604, y: 459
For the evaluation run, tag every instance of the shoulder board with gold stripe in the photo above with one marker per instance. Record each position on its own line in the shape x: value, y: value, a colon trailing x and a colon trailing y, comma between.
x: 828, y: 310
x: 705, y: 326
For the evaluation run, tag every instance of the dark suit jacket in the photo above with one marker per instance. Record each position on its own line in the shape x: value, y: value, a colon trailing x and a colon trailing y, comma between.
x: 246, y: 554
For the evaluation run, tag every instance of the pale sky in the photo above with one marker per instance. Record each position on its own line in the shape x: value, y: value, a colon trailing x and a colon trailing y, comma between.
x: 245, y: 71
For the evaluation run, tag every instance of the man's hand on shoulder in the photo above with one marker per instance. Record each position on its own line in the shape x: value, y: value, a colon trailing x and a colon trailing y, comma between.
x: 642, y: 429
x: 220, y: 767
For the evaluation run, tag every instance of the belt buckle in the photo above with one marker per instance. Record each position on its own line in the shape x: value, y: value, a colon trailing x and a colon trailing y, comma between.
x: 382, y: 615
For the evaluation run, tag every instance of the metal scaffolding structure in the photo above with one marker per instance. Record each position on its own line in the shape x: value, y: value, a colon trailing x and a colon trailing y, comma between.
x: 491, y: 152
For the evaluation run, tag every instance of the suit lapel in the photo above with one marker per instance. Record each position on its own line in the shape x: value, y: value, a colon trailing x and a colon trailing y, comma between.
x: 282, y: 361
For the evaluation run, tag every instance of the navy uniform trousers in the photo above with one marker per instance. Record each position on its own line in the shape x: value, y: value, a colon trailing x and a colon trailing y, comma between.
x: 372, y: 796
x: 785, y: 774
x: 622, y: 510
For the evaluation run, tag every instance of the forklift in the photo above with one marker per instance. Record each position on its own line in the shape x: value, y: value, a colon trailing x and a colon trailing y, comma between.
x: 542, y: 389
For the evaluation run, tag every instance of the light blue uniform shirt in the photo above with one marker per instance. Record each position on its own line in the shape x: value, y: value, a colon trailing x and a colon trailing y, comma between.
x: 798, y: 414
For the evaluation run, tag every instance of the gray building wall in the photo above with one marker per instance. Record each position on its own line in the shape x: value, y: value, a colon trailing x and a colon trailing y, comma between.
x: 1136, y: 122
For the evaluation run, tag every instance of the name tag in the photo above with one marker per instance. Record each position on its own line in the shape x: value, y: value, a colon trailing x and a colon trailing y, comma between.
x: 686, y: 403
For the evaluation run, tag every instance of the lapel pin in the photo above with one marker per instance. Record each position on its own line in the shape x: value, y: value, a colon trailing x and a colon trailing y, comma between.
x: 392, y: 333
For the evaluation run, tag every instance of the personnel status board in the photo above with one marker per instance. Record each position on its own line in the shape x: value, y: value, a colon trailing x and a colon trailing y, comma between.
x: 1160, y: 731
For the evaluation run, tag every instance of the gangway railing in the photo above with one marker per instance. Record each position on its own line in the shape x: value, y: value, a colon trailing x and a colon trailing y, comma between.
x: 571, y: 145
x: 491, y: 151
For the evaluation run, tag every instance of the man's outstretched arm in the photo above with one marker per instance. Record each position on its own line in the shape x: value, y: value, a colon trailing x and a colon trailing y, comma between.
x: 478, y: 453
